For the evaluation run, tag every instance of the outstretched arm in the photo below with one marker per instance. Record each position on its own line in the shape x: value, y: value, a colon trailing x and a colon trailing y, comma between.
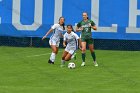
x: 47, y: 34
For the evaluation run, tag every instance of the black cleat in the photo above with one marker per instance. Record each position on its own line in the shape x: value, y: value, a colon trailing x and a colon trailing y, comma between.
x: 50, y: 62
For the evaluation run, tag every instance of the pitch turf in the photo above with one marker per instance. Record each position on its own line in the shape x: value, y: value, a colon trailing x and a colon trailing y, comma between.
x: 25, y: 70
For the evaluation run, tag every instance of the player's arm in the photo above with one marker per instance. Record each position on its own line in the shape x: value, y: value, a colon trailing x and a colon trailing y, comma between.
x: 64, y: 43
x: 80, y: 46
x: 51, y: 30
x: 93, y: 25
x: 64, y: 40
x: 78, y: 27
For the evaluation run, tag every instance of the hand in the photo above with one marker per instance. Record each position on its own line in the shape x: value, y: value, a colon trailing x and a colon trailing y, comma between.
x: 94, y: 27
x: 81, y: 28
x: 89, y: 25
x: 43, y: 37
x: 64, y: 45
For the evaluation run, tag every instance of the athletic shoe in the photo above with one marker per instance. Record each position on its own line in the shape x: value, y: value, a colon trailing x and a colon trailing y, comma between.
x: 95, y: 64
x: 50, y: 62
x: 83, y: 64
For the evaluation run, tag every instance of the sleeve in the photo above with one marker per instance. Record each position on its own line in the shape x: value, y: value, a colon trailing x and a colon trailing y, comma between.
x: 64, y: 38
x: 92, y: 23
x: 76, y: 36
x: 79, y: 24
x: 55, y: 26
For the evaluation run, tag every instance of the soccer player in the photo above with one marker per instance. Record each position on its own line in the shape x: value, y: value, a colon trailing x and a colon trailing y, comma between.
x: 85, y: 27
x: 72, y: 40
x: 54, y: 41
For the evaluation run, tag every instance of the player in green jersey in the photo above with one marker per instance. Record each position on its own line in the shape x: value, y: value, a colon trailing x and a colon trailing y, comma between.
x: 85, y: 27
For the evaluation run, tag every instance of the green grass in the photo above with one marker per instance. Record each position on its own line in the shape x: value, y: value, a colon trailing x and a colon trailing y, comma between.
x: 23, y: 72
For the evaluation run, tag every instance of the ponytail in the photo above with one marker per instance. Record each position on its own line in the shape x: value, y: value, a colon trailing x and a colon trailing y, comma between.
x: 63, y: 25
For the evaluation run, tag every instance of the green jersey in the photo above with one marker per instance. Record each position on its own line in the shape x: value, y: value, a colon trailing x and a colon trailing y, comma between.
x: 86, y: 32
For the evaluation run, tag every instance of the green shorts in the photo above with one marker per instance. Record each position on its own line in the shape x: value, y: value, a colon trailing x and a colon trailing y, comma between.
x: 88, y: 41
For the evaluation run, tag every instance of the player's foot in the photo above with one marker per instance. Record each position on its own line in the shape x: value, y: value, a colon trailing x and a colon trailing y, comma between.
x: 95, y: 64
x: 83, y: 64
x: 50, y: 62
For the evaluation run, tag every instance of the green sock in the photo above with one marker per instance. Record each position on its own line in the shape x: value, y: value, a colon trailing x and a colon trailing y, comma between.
x: 83, y: 57
x: 93, y: 56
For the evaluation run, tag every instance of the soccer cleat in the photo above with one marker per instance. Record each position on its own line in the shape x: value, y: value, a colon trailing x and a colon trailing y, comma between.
x: 95, y: 64
x: 83, y: 64
x: 50, y: 62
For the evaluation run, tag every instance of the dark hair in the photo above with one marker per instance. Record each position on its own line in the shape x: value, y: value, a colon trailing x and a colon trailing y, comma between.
x: 87, y: 14
x: 71, y: 27
x: 63, y: 23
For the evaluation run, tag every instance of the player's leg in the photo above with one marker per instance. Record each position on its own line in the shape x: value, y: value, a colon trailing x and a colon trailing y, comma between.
x: 91, y: 48
x: 63, y: 58
x: 57, y: 47
x: 68, y: 57
x: 71, y: 54
x: 83, y: 44
x: 54, y: 48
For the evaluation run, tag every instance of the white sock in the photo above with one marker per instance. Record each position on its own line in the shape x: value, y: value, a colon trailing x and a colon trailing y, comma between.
x: 52, y: 57
x: 72, y: 56
x: 62, y: 62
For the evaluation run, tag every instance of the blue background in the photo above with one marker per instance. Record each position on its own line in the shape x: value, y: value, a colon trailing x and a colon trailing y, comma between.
x: 111, y: 12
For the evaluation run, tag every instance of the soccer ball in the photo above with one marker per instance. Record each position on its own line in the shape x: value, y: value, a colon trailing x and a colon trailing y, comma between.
x: 71, y: 65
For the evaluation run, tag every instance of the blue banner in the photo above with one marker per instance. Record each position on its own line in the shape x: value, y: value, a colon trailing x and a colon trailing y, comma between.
x: 115, y: 19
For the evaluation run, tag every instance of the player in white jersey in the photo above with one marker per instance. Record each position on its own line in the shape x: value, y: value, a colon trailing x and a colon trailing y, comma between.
x: 72, y: 40
x: 54, y: 41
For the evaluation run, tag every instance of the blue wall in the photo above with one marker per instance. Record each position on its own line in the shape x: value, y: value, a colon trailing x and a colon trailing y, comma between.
x: 110, y: 12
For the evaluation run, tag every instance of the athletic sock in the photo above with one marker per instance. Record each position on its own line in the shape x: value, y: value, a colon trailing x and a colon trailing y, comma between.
x: 52, y: 57
x: 93, y: 56
x: 62, y: 62
x: 83, y: 57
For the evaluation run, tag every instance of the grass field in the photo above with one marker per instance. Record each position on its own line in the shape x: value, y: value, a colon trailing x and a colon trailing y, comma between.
x: 25, y: 70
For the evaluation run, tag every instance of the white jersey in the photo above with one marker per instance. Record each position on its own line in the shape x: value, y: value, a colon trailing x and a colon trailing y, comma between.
x: 57, y: 33
x: 72, y: 40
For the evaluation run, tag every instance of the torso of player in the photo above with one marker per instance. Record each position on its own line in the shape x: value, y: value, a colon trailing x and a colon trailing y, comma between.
x: 86, y: 32
x: 71, y: 39
x: 57, y: 33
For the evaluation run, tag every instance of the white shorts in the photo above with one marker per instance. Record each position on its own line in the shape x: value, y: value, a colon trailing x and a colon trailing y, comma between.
x: 53, y: 42
x: 71, y: 51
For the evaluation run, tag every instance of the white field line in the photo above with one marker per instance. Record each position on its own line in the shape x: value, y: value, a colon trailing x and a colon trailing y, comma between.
x: 40, y: 54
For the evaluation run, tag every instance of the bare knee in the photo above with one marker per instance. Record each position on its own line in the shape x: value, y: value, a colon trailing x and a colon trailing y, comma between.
x: 83, y: 49
x: 67, y: 59
x: 55, y: 51
x: 63, y: 57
